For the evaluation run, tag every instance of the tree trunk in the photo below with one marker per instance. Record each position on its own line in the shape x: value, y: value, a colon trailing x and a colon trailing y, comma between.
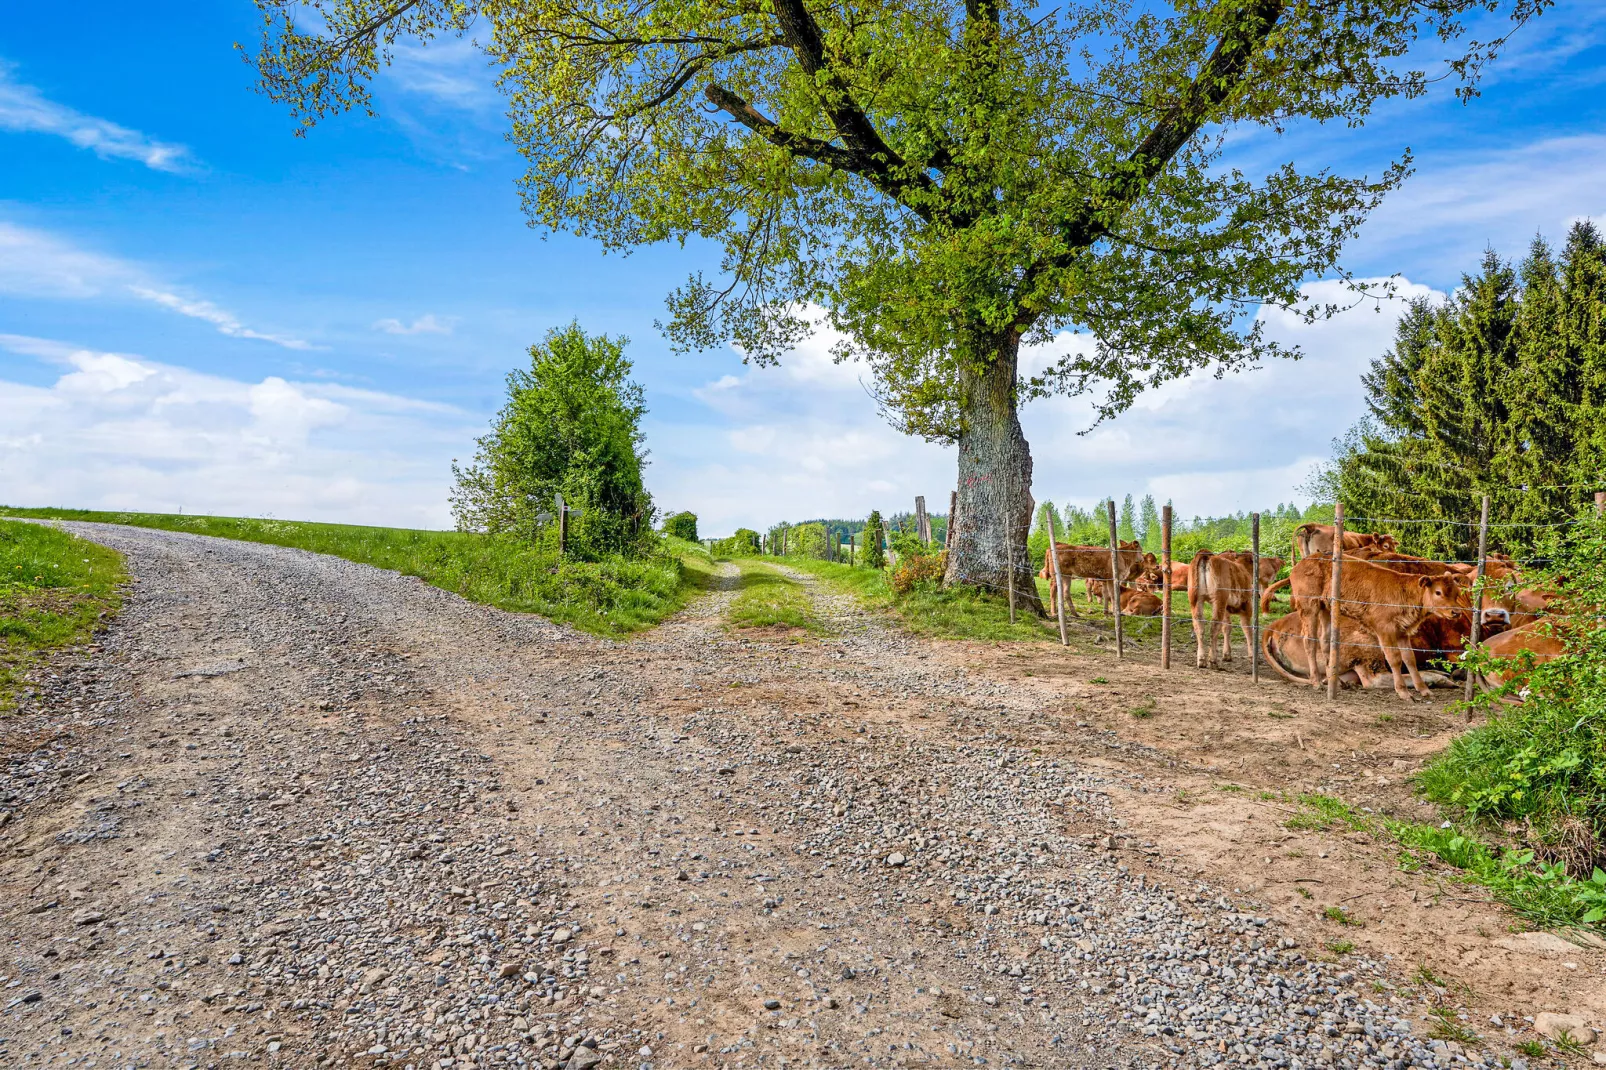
x: 995, y: 487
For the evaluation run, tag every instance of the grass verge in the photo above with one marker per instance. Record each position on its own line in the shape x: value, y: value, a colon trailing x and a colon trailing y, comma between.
x: 55, y: 590
x: 929, y: 610
x: 766, y: 598
x: 614, y: 596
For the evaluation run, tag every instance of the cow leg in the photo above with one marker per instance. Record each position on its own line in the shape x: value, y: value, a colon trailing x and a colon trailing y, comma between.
x: 1392, y: 654
x: 1408, y: 655
x: 1313, y: 621
x: 1223, y: 618
x: 1249, y: 641
x: 1063, y: 592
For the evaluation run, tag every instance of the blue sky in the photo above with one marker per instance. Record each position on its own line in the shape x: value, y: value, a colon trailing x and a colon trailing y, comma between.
x: 199, y: 310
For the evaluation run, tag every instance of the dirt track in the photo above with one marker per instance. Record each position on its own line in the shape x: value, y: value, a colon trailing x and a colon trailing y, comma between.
x: 306, y: 813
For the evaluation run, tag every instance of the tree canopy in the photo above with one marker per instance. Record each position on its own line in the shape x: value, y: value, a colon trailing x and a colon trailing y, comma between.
x: 941, y: 182
x: 571, y: 426
x: 1500, y: 390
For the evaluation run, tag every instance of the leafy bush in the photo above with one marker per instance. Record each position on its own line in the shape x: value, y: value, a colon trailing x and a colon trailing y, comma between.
x: 571, y: 426
x: 1536, y: 772
x: 744, y: 543
x: 681, y: 525
x: 916, y: 569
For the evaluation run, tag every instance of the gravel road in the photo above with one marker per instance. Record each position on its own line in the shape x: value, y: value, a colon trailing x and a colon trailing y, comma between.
x: 302, y: 812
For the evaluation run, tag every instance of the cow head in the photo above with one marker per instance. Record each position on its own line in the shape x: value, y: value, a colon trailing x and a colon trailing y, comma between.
x: 1442, y: 596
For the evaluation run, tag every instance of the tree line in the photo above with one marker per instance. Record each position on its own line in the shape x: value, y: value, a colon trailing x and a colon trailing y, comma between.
x: 1498, y: 390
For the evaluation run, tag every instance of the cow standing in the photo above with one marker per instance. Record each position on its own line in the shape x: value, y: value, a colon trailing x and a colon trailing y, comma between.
x: 1222, y: 580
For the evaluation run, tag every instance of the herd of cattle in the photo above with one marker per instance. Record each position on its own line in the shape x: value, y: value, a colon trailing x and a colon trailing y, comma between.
x: 1394, y: 610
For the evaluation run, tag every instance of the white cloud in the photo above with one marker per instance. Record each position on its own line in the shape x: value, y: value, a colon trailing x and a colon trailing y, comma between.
x: 428, y: 323
x: 1456, y: 206
x: 36, y: 264
x: 805, y: 440
x: 450, y: 71
x: 24, y: 109
x: 117, y: 431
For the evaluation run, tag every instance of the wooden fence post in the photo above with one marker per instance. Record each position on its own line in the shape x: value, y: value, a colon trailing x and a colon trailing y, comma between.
x: 1254, y: 593
x: 922, y: 521
x: 1165, y: 587
x: 1115, y: 587
x: 953, y: 517
x: 1477, y: 589
x: 1338, y: 588
x: 563, y: 525
x: 1059, y: 588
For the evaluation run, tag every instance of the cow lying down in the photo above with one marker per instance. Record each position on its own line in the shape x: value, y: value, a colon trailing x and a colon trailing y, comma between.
x: 1361, y: 661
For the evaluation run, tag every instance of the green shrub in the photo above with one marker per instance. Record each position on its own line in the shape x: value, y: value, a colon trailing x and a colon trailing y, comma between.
x: 1536, y: 772
x: 744, y: 543
x: 571, y: 426
x: 917, y: 569
x: 681, y: 525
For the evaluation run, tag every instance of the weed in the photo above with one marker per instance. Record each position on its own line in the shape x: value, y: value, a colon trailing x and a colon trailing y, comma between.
x: 1145, y: 710
x: 1304, y: 892
x: 1342, y: 917
x: 1268, y: 796
x: 1566, y: 1042
x: 1229, y: 787
x: 1446, y: 1027
x: 1099, y: 680
x: 1322, y: 812
x: 1425, y: 976
x: 1531, y: 1048
x: 1384, y: 718
x: 1341, y: 947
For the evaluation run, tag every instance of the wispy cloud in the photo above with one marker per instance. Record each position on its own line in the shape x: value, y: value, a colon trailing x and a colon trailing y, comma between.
x: 36, y: 264
x: 428, y: 323
x: 23, y: 109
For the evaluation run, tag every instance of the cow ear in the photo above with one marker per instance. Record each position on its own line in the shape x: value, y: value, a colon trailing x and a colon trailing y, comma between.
x: 1424, y: 582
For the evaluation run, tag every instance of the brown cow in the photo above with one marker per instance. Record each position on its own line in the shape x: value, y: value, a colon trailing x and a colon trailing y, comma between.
x: 1533, y: 639
x: 1438, y: 641
x: 1389, y: 604
x: 1139, y: 603
x: 1317, y: 539
x: 1088, y: 563
x: 1223, y: 580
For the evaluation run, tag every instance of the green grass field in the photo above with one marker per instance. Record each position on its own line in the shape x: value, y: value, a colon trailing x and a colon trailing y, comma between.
x: 54, y: 591
x: 766, y: 598
x: 614, y: 596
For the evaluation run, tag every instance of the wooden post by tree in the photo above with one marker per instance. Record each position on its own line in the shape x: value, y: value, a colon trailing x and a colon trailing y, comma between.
x: 953, y: 517
x: 1165, y: 587
x: 1477, y: 589
x: 1332, y: 616
x: 1115, y: 587
x: 1059, y: 587
x: 922, y: 521
x: 1254, y: 594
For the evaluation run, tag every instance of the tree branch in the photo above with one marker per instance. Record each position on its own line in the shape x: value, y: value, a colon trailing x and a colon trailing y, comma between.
x: 1219, y: 77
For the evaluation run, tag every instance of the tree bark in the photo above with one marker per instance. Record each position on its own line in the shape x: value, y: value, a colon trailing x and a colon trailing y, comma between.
x: 995, y: 485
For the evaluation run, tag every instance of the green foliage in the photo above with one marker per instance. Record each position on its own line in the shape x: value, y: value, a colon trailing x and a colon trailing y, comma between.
x: 1543, y: 763
x: 612, y: 595
x: 1541, y: 891
x: 1499, y: 391
x: 1127, y: 528
x: 767, y: 599
x: 571, y: 426
x: 931, y: 610
x: 743, y: 543
x: 1318, y: 813
x: 681, y: 525
x: 875, y: 555
x: 55, y: 590
x: 940, y: 178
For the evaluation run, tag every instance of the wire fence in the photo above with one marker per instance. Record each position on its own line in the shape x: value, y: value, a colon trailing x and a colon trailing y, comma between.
x: 1485, y: 586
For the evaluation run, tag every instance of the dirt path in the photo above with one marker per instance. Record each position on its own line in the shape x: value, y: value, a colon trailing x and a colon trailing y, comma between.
x: 306, y: 813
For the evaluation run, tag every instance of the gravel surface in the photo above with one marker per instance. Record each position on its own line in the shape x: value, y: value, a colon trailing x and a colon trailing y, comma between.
x: 307, y: 813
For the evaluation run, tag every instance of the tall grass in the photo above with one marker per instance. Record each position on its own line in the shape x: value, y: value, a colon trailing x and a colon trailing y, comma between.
x: 613, y: 596
x: 54, y: 591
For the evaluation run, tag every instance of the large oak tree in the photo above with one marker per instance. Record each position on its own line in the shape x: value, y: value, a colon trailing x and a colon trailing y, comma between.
x: 943, y: 182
